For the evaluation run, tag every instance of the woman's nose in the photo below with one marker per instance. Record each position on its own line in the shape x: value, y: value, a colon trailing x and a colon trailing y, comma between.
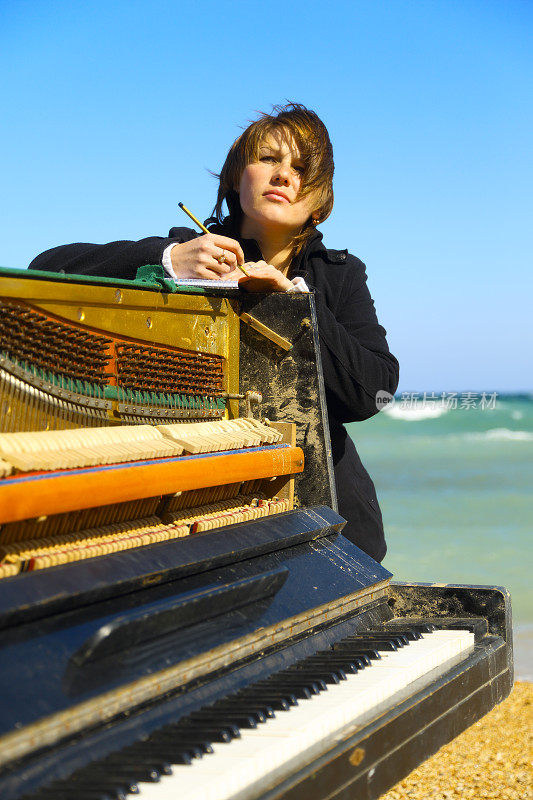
x: 282, y: 174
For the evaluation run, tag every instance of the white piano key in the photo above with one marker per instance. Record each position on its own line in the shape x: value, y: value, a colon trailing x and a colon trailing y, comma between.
x: 236, y: 770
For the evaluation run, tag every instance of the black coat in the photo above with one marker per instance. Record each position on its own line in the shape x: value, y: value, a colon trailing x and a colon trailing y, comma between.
x: 355, y: 356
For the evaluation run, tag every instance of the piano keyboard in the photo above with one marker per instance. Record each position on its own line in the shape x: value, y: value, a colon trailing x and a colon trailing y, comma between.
x: 240, y: 745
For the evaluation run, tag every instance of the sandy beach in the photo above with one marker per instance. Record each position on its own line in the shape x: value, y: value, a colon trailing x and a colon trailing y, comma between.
x: 491, y: 759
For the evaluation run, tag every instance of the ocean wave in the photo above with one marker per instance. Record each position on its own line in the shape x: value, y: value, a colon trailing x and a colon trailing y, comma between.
x: 500, y: 435
x: 416, y: 411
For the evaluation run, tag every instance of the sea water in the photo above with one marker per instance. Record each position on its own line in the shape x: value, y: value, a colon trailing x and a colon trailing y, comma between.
x: 454, y: 476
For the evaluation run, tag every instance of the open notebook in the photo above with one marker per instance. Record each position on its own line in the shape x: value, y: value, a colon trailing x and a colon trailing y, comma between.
x: 207, y: 283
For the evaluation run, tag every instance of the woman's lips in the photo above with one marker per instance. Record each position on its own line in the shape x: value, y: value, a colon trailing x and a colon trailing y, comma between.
x: 277, y: 196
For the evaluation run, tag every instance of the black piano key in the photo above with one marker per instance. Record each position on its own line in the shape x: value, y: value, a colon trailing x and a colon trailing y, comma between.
x: 98, y: 794
x: 327, y: 656
x: 189, y: 740
x: 225, y: 717
x: 94, y: 777
x: 344, y: 663
x: 263, y: 711
x: 311, y: 663
x: 302, y: 690
x: 259, y: 712
x: 130, y: 760
x: 222, y: 733
x: 333, y: 660
x: 242, y: 701
x: 378, y: 636
x: 173, y: 749
x: 163, y: 746
x: 302, y: 676
x: 181, y: 754
x: 280, y: 702
x: 425, y: 627
x: 375, y: 636
x: 361, y: 660
x: 105, y: 788
x: 420, y: 627
x: 315, y: 673
x: 66, y: 793
x: 297, y: 681
x: 102, y: 788
x: 385, y: 644
x: 165, y: 753
x: 403, y: 636
x: 355, y: 650
x: 91, y: 793
x: 132, y: 772
x: 406, y: 631
x: 410, y: 633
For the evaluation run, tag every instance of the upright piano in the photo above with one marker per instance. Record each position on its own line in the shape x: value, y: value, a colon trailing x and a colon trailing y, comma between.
x: 181, y: 615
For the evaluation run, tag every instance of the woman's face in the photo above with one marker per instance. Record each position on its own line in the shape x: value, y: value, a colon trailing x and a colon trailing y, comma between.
x: 269, y: 189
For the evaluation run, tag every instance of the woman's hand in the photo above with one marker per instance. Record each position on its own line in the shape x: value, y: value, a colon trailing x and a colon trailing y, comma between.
x: 202, y: 257
x: 262, y: 277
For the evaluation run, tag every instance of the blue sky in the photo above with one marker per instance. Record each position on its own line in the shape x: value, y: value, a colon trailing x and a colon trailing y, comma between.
x: 113, y: 112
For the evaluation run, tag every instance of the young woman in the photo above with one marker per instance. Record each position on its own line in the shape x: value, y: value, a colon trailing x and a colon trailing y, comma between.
x: 277, y: 185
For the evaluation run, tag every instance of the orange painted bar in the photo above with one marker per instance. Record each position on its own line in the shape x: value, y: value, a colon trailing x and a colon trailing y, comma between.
x: 70, y: 490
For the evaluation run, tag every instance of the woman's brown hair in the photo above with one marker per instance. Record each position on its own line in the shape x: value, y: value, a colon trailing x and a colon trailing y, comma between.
x: 312, y: 138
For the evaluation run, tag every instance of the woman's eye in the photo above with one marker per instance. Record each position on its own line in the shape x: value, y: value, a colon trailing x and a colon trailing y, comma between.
x: 267, y: 158
x: 299, y: 169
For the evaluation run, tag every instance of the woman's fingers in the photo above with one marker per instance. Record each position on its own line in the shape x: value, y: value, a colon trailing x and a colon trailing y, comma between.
x: 207, y: 256
x: 201, y: 258
x: 221, y: 268
x: 225, y: 252
x: 264, y: 277
x: 231, y: 247
x: 207, y: 274
x: 234, y: 275
x: 223, y: 256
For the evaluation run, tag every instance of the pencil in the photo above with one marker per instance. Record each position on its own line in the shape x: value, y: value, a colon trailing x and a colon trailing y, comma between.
x: 204, y: 229
x: 194, y: 219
